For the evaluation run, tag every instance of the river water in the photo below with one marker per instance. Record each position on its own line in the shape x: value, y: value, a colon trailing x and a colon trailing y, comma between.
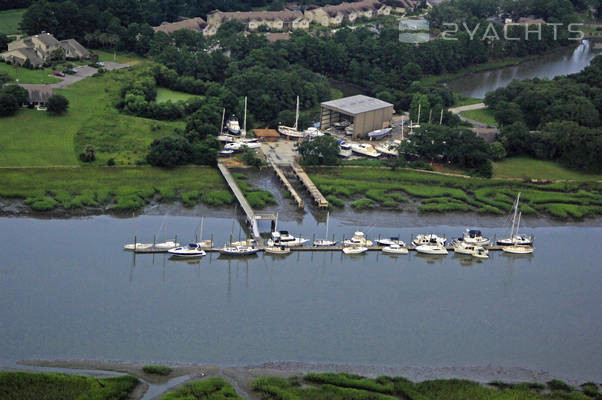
x: 68, y: 291
x: 562, y: 62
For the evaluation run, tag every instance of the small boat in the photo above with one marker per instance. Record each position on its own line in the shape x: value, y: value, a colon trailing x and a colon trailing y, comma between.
x: 325, y: 242
x: 421, y: 239
x: 190, y: 251
x: 461, y: 247
x: 431, y: 248
x: 137, y: 246
x: 226, y: 138
x: 226, y: 153
x: 473, y: 236
x: 233, y: 126
x: 312, y: 133
x: 390, y: 241
x: 350, y: 130
x: 516, y: 238
x: 280, y: 250
x: 365, y: 150
x: 292, y: 132
x: 395, y: 249
x: 518, y: 249
x: 358, y: 239
x: 283, y: 238
x: 379, y: 133
x: 238, y: 250
x: 390, y: 149
x: 242, y: 144
x: 354, y: 249
x: 170, y: 244
x: 344, y: 149
x: 342, y: 124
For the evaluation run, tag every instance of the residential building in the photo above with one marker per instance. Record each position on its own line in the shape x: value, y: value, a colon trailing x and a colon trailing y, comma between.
x: 39, y: 48
x: 275, y: 20
x: 192, y: 24
x: 334, y: 15
x: 38, y: 94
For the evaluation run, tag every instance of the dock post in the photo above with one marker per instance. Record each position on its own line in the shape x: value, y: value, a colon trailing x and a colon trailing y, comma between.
x: 154, y: 240
x: 175, y: 239
x: 196, y: 238
x: 135, y: 243
x: 211, y: 240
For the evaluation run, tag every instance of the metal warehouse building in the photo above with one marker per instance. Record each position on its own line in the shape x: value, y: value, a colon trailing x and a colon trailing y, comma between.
x: 367, y: 114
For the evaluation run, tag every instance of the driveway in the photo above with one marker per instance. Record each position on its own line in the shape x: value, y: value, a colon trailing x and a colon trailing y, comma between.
x: 84, y: 72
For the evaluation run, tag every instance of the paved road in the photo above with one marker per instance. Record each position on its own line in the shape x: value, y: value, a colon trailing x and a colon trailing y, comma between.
x: 458, y: 111
x: 84, y: 72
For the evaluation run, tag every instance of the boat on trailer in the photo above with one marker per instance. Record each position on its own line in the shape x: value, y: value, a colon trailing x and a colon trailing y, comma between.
x: 292, y: 132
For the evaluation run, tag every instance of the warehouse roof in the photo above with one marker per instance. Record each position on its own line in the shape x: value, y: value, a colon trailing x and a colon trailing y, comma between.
x: 356, y: 104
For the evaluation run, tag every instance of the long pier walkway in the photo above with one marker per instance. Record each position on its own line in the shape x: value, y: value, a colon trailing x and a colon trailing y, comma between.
x: 309, y: 185
x: 287, y: 184
x: 252, y: 217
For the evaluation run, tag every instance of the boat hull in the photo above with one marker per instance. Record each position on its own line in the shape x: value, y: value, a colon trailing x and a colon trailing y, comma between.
x: 431, y: 250
x: 518, y: 249
x: 354, y: 250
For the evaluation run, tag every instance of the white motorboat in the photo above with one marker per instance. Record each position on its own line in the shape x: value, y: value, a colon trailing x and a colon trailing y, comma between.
x: 358, y: 239
x: 432, y: 248
x: 242, y: 144
x: 390, y: 241
x: 390, y: 149
x: 283, y: 238
x: 517, y: 249
x: 395, y: 249
x: 365, y: 150
x: 312, y: 133
x: 170, y: 244
x: 344, y: 149
x: 325, y: 242
x: 238, y: 250
x: 379, y: 133
x: 292, y: 132
x: 190, y: 251
x: 233, y: 126
x: 421, y: 239
x: 279, y: 250
x: 461, y: 247
x: 248, y: 242
x: 137, y: 246
x: 354, y: 249
x: 473, y: 236
x: 516, y: 238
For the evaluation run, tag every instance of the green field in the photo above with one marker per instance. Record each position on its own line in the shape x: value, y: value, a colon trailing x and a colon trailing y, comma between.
x: 121, y: 58
x: 482, y: 115
x: 25, y: 75
x: 363, y: 188
x: 47, y: 386
x: 530, y: 168
x: 116, y: 188
x: 164, y: 94
x: 331, y: 386
x: 9, y: 21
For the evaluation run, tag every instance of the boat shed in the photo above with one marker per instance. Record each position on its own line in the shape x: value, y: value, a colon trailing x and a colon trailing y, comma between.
x: 266, y: 135
x: 367, y: 114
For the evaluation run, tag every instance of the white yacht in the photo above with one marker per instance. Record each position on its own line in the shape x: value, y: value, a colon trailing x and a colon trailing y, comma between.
x: 461, y: 247
x: 241, y: 145
x: 390, y: 148
x: 358, y: 239
x: 312, y: 133
x: 344, y: 149
x: 325, y: 242
x: 475, y: 237
x: 354, y: 249
x: 233, y: 126
x: 292, y: 132
x: 238, y: 250
x: 432, y: 248
x: 390, y: 241
x: 279, y: 250
x: 395, y: 249
x: 517, y: 249
x: 365, y: 150
x: 421, y: 239
x: 190, y: 251
x: 283, y: 238
x: 516, y: 238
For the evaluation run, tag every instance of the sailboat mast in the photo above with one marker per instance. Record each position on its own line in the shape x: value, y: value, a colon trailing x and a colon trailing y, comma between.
x: 202, y: 221
x: 245, y: 118
x: 514, y: 218
x: 297, y: 114
x: 327, y: 217
x: 221, y: 128
x: 518, y: 225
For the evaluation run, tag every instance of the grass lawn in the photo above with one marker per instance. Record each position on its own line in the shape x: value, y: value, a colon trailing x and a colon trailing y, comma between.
x: 525, y: 167
x: 25, y: 75
x: 37, y: 138
x: 10, y: 19
x: 483, y: 115
x: 461, y: 100
x: 40, y: 386
x: 164, y: 94
x: 121, y: 58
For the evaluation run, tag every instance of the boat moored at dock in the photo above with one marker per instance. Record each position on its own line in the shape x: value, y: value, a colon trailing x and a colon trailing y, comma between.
x: 354, y: 249
x: 461, y: 247
x: 283, y: 238
x: 278, y: 250
x: 358, y: 239
x: 395, y: 249
x: 421, y: 239
x: 238, y: 250
x: 475, y: 237
x: 193, y: 250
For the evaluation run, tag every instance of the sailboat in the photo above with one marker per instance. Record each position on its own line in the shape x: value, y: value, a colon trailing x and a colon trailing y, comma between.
x: 517, y: 248
x: 325, y: 242
x: 515, y: 237
x: 292, y: 131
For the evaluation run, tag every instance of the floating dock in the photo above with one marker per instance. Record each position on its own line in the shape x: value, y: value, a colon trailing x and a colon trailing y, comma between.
x: 287, y: 184
x: 309, y: 185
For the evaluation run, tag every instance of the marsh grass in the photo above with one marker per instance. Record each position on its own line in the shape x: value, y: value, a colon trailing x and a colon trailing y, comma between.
x: 162, y: 370
x: 206, y: 389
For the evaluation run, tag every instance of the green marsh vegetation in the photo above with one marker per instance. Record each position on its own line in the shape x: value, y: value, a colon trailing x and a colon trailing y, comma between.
x: 364, y: 188
x: 257, y: 198
x: 42, y: 386
x: 206, y: 389
x: 334, y: 386
x: 162, y: 370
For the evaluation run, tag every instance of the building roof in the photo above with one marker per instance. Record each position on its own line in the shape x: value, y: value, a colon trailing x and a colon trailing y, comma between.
x: 246, y: 16
x: 192, y: 24
x: 356, y: 104
x: 266, y: 133
x: 276, y: 36
x: 74, y: 46
x: 38, y: 93
x: 345, y: 8
x: 24, y: 53
x: 47, y: 39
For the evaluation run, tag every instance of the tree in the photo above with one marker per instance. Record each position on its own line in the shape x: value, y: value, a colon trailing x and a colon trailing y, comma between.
x: 497, y: 151
x: 506, y: 113
x: 19, y: 93
x: 8, y: 105
x: 515, y: 138
x: 4, y: 78
x: 4, y: 41
x: 169, y: 152
x: 57, y: 104
x: 88, y: 155
x: 323, y: 150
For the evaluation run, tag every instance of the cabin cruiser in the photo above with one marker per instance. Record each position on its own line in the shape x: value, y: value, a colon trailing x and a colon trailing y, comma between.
x: 433, y: 247
x: 312, y: 133
x: 365, y: 150
x: 421, y: 239
x: 395, y: 249
x: 283, y: 238
x: 473, y: 236
x: 345, y: 149
x: 354, y: 249
x: 233, y: 126
x: 390, y: 148
x: 358, y: 239
x: 462, y: 247
x: 390, y: 241
x: 342, y: 124
x: 379, y: 133
x: 240, y: 145
x: 170, y: 244
x: 190, y: 251
x: 238, y: 250
x: 280, y: 250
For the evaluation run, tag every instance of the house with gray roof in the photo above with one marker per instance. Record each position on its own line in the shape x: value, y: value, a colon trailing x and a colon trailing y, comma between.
x: 38, y: 94
x: 38, y: 49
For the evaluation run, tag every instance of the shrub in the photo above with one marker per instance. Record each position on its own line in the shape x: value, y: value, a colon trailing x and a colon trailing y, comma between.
x: 157, y: 370
x: 57, y: 104
x: 363, y: 204
x: 111, y: 162
x: 88, y: 155
x: 557, y: 384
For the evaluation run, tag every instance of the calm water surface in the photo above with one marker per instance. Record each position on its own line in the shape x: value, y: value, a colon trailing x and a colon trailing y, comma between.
x: 563, y: 62
x: 68, y: 291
